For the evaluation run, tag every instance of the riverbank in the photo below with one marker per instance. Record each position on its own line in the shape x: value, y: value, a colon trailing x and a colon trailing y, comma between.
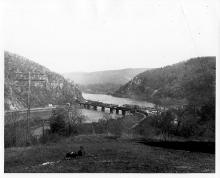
x: 106, y: 154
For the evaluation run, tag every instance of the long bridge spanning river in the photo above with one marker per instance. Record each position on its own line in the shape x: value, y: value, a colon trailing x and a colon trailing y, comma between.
x: 94, y: 105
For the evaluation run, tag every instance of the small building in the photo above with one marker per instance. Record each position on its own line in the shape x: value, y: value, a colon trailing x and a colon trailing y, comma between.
x: 50, y: 105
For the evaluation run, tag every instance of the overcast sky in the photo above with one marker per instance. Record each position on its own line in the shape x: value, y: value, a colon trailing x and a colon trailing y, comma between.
x: 92, y: 35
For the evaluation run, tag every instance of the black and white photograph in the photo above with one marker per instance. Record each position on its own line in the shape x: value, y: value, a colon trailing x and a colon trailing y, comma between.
x: 109, y: 86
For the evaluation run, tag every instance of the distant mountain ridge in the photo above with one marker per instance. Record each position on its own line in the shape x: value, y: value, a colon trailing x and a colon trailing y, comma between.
x: 193, y: 78
x: 120, y: 76
x: 56, y: 90
x: 103, y: 81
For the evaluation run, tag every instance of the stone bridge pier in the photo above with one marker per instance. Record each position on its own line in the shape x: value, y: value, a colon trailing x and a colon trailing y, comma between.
x: 123, y: 112
x: 95, y: 108
x: 87, y: 106
x: 111, y: 108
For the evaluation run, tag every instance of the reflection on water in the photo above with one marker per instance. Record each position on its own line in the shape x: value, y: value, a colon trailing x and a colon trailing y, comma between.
x: 94, y: 116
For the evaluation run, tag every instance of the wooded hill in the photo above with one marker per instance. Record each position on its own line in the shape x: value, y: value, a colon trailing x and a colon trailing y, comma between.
x: 56, y: 89
x: 103, y: 81
x: 188, y: 82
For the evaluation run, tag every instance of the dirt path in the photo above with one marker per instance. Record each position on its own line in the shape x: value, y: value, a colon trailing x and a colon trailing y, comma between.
x: 143, y: 118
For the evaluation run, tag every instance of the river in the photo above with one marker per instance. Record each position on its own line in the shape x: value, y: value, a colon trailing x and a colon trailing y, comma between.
x: 94, y: 116
x: 115, y: 100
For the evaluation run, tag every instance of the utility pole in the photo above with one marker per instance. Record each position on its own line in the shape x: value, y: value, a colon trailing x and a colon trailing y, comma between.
x: 28, y: 108
x: 30, y: 81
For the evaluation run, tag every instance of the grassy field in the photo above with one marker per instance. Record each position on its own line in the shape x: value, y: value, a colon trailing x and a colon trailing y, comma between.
x: 106, y: 154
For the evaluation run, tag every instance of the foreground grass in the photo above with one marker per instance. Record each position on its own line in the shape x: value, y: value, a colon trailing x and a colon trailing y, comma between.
x: 105, y: 154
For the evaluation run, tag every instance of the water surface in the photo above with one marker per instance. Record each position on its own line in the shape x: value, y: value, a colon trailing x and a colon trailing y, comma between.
x: 94, y: 116
x: 115, y: 100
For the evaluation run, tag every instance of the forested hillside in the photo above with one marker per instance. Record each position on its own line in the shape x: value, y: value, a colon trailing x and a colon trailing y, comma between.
x: 103, y: 81
x: 187, y: 90
x: 106, y: 88
x: 55, y: 89
x: 191, y: 81
x: 101, y: 77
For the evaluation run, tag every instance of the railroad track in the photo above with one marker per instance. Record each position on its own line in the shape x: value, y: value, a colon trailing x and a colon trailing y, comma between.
x: 32, y: 110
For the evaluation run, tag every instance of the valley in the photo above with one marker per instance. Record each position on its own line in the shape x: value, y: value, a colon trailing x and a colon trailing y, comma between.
x: 103, y: 82
x: 145, y: 111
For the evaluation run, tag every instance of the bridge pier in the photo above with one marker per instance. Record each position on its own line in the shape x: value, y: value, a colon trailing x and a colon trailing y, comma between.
x: 117, y: 111
x: 103, y: 109
x: 123, y: 112
x: 95, y: 108
x: 111, y: 110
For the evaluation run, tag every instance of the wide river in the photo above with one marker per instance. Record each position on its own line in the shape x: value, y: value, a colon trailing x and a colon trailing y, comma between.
x: 115, y: 100
x: 94, y: 116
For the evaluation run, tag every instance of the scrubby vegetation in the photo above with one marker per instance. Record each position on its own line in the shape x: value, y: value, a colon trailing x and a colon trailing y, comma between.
x: 15, y: 130
x: 62, y: 125
x: 185, y: 123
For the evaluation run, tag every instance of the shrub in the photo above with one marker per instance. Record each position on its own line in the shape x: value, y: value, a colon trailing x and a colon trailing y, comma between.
x: 66, y: 121
x: 188, y: 126
x: 163, y: 123
x: 57, y: 123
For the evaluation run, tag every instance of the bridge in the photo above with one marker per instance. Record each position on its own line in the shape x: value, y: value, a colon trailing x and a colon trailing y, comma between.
x: 95, y: 104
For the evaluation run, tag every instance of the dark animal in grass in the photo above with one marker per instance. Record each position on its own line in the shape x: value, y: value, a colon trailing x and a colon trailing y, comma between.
x: 72, y: 155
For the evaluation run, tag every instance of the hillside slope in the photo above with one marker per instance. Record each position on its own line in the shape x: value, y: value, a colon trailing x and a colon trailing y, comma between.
x: 105, y: 155
x: 56, y: 89
x: 193, y: 80
x: 101, y: 77
x: 103, y: 82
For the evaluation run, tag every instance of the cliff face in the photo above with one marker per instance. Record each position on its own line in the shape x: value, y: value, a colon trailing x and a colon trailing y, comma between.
x: 193, y: 79
x: 55, y: 89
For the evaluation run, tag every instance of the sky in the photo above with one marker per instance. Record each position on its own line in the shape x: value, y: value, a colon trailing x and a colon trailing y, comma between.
x: 94, y: 35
